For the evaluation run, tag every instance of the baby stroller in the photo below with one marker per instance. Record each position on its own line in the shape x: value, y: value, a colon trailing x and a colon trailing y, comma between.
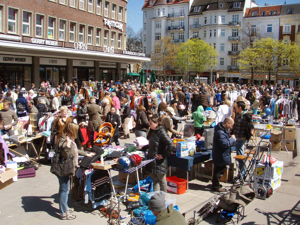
x: 105, y: 135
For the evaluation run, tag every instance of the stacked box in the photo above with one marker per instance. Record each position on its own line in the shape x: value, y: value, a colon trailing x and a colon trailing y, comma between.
x: 275, y: 183
x: 276, y: 135
x: 276, y: 146
x: 184, y: 148
x: 290, y: 146
x: 290, y: 133
x: 275, y: 171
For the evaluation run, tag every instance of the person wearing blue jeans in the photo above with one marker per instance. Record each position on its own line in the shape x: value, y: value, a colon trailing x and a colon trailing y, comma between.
x: 63, y: 193
x: 240, y: 150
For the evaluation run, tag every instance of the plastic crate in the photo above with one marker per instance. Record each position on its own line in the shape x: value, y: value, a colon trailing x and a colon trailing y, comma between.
x: 176, y: 185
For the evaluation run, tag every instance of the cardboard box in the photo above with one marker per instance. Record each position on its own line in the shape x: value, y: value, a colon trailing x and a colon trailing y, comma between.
x: 290, y: 146
x: 290, y: 133
x: 132, y: 177
x: 228, y: 174
x: 276, y: 146
x: 276, y: 170
x: 275, y: 183
x: 184, y: 148
x: 7, y: 178
x: 276, y: 135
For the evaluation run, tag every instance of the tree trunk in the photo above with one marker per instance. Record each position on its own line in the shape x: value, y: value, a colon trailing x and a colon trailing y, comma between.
x: 269, y: 82
x: 252, y: 75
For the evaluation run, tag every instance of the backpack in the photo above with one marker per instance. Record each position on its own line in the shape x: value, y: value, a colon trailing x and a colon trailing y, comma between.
x: 20, y: 107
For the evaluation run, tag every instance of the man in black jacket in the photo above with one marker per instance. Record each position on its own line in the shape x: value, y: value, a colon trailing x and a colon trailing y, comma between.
x: 222, y: 143
x: 113, y: 118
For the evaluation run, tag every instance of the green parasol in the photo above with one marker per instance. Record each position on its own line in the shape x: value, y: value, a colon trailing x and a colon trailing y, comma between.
x: 153, y: 77
x: 143, y: 77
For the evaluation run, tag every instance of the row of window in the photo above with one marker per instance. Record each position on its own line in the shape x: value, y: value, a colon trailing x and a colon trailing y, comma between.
x: 111, y: 10
x: 271, y: 13
x: 63, y: 31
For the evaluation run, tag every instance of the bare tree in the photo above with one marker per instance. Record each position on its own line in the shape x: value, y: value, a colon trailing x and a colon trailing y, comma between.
x: 249, y: 35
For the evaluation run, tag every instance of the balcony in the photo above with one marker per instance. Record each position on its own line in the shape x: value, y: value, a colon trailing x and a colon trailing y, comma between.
x: 175, y: 15
x: 176, y: 28
x: 233, y: 52
x: 234, y: 23
x: 286, y: 32
x: 231, y: 38
x: 178, y: 40
x: 195, y: 26
x: 233, y: 68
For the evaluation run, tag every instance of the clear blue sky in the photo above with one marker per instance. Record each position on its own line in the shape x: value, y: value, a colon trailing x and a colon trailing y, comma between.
x: 135, y: 13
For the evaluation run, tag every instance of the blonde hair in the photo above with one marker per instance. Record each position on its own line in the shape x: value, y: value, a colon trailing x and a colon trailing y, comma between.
x: 71, y: 129
x: 63, y: 108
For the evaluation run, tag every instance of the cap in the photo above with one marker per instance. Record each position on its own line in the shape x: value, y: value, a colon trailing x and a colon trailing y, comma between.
x: 157, y: 202
x: 170, y: 110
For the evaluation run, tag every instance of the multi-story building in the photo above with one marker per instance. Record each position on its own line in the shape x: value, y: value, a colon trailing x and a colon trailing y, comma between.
x: 164, y: 17
x: 220, y: 22
x: 63, y: 40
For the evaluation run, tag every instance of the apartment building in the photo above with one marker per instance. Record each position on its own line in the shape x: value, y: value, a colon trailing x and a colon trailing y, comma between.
x: 63, y: 40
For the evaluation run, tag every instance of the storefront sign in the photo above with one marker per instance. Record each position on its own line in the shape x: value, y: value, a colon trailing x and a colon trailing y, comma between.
x: 80, y: 46
x: 114, y: 24
x: 10, y: 37
x: 43, y: 42
x: 107, y: 65
x: 134, y: 53
x: 124, y: 66
x: 12, y: 59
x: 234, y: 75
x: 109, y: 50
x: 83, y: 63
x: 52, y: 61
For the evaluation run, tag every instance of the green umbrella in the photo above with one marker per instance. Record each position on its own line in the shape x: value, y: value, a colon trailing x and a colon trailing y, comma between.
x: 142, y: 77
x: 153, y: 77
x: 133, y: 74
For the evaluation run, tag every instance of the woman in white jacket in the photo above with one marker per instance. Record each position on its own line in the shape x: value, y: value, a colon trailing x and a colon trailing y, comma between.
x: 55, y: 103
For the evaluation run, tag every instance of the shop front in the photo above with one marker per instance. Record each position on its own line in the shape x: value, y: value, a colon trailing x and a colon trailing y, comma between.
x: 53, y: 70
x: 108, y: 71
x: 258, y: 79
x: 287, y: 81
x: 83, y: 71
x: 234, y: 77
x: 15, y: 70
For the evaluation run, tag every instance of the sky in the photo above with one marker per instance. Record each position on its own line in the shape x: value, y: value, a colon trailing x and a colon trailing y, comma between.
x: 135, y: 13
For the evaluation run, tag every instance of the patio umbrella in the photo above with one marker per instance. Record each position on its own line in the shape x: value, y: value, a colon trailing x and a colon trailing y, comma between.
x: 153, y: 77
x: 142, y: 77
x: 133, y: 74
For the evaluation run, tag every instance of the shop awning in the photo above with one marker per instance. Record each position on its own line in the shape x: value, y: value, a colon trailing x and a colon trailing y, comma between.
x: 133, y: 74
x: 258, y: 76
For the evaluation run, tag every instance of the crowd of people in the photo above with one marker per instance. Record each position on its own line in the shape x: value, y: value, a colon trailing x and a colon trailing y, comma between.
x: 153, y: 111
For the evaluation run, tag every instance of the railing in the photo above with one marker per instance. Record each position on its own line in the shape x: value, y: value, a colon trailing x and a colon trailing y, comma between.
x: 174, y: 15
x: 233, y: 52
x: 234, y: 23
x: 233, y: 68
x: 178, y: 40
x: 195, y: 26
x: 231, y: 38
x: 176, y: 28
x: 286, y: 32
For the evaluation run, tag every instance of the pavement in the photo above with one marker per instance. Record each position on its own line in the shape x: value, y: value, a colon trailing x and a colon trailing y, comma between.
x: 34, y: 201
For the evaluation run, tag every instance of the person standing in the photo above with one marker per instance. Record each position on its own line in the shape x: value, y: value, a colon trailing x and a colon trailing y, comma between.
x: 22, y: 106
x: 81, y: 112
x: 115, y: 120
x: 221, y: 152
x: 154, y: 103
x: 199, y: 120
x: 94, y: 118
x: 142, y: 123
x: 8, y: 118
x: 126, y: 116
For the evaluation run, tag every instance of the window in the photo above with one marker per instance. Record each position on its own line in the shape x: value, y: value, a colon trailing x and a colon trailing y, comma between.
x: 275, y: 12
x: 172, y: 23
x: 98, y: 37
x: 205, y: 20
x: 196, y: 21
x: 72, y: 3
x: 236, y: 5
x: 181, y: 23
x: 1, y: 18
x: 106, y: 32
x: 181, y: 36
x: 157, y: 36
x: 99, y: 7
x: 215, y: 33
x: 210, y: 33
x: 39, y: 23
x: 158, y: 24
x: 113, y: 11
x: 204, y: 34
x: 81, y: 33
x: 235, y: 32
x: 158, y: 12
x: 210, y: 20
x: 234, y: 62
x: 62, y: 30
x: 62, y: 2
x: 181, y: 11
x: 120, y: 41
x: 51, y: 28
x: 234, y: 47
x: 269, y: 28
x: 196, y: 9
x: 91, y: 6
x: 144, y: 49
x: 215, y: 19
x: 145, y: 26
x: 145, y: 15
x: 144, y: 37
x: 12, y: 20
x: 271, y: 13
x: 287, y: 28
x: 81, y: 4
x: 26, y: 26
x: 72, y: 32
x: 221, y: 61
x: 172, y: 36
x: 221, y: 5
x: 195, y: 34
x: 222, y: 32
x: 254, y: 13
x: 222, y: 47
x: 263, y: 13
x: 151, y: 2
x: 215, y: 45
x: 222, y: 19
x: 90, y: 35
x: 289, y: 11
x: 163, y: 11
x: 120, y: 13
x: 112, y: 40
x: 106, y: 7
x: 235, y: 18
x: 253, y: 30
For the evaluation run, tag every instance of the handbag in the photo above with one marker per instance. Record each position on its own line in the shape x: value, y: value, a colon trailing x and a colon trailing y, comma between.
x: 62, y: 167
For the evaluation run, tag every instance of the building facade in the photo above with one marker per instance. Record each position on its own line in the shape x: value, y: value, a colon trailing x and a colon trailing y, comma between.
x: 63, y: 40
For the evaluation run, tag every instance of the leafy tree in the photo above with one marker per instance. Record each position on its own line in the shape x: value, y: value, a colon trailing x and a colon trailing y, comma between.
x: 163, y: 54
x: 292, y: 55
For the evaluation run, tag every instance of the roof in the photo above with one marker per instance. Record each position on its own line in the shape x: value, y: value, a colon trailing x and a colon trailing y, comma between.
x: 295, y: 9
x: 163, y: 2
x: 208, y: 5
x: 263, y: 11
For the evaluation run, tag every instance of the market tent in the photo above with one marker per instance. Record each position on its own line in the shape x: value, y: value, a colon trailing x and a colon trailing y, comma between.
x: 153, y: 77
x: 133, y: 74
x: 143, y: 77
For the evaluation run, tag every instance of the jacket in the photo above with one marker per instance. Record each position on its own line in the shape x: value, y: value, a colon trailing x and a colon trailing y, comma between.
x: 94, y: 117
x: 222, y: 143
x: 199, y: 117
x: 167, y: 124
x: 67, y: 100
x: 154, y: 106
x: 169, y: 216
x: 203, y: 100
x: 33, y: 109
x: 116, y: 102
x: 81, y: 113
x: 243, y: 124
x: 142, y: 122
x: 112, y: 118
x: 23, y: 101
x: 159, y: 143
x: 126, y: 112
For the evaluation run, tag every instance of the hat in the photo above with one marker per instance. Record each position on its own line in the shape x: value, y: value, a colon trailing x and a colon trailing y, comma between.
x: 157, y: 202
x: 170, y: 110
